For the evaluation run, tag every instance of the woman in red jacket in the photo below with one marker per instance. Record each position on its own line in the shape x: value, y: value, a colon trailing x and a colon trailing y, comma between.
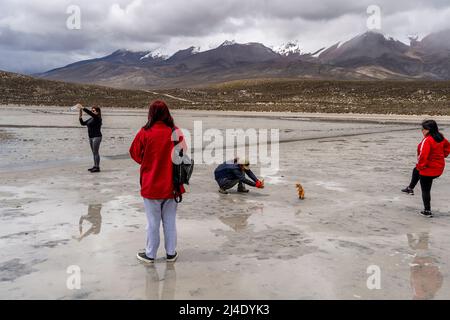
x: 152, y: 148
x: 431, y: 154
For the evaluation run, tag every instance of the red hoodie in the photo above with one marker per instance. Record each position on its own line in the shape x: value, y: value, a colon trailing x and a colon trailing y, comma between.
x: 431, y: 156
x: 152, y: 149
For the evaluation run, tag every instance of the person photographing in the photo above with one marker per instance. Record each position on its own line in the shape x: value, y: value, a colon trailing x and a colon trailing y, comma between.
x: 230, y: 174
x: 94, y: 125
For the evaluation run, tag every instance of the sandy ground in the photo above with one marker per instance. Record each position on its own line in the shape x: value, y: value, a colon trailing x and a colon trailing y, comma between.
x: 263, y: 245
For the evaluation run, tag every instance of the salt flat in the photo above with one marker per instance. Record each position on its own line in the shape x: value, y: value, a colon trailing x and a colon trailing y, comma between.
x: 263, y: 245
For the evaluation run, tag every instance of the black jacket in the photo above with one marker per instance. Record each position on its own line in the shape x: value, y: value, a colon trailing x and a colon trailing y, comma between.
x: 94, y: 124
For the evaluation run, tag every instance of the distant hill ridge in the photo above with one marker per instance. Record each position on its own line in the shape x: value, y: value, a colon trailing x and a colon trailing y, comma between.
x: 369, y: 56
x: 383, y: 97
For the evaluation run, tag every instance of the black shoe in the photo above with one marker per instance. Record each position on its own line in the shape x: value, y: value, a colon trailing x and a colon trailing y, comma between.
x: 143, y: 257
x: 223, y: 191
x: 90, y: 169
x: 173, y: 258
x: 408, y: 190
x: 243, y: 190
x: 426, y: 213
x: 95, y: 169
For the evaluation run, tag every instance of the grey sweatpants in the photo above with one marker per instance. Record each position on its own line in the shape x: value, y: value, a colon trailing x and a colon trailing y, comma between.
x: 157, y: 211
x: 95, y: 146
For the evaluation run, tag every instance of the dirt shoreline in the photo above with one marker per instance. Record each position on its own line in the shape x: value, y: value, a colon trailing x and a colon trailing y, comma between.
x: 285, y: 115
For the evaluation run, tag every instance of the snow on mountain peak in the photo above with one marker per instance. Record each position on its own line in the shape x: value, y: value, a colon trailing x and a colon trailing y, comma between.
x: 290, y: 48
x: 228, y: 43
x: 157, y: 54
x: 146, y: 56
x: 195, y: 50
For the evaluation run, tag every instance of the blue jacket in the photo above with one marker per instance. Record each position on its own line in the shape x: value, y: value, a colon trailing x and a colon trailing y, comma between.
x: 231, y: 171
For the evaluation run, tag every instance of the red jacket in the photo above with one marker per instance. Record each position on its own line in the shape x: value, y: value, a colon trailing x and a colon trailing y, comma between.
x: 152, y: 149
x: 431, y: 156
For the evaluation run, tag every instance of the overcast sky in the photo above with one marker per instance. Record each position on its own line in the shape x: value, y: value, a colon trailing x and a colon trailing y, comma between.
x: 34, y: 36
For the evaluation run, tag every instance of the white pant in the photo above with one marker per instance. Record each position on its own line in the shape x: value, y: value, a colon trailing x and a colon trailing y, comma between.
x: 157, y: 210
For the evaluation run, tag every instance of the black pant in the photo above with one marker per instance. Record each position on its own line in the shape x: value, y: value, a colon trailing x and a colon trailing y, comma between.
x: 426, y: 184
x: 228, y: 184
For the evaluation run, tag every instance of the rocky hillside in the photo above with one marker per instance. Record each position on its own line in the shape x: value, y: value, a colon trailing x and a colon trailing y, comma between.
x: 24, y: 90
x: 383, y: 97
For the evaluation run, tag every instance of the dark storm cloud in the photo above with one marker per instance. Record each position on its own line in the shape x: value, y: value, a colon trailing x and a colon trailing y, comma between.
x: 34, y: 36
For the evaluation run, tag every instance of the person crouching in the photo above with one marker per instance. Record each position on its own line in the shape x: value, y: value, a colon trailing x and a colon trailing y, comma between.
x: 232, y: 173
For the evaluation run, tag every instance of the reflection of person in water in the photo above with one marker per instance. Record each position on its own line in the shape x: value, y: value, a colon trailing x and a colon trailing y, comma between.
x: 153, y: 283
x: 236, y: 222
x: 239, y: 222
x: 426, y: 278
x: 94, y: 217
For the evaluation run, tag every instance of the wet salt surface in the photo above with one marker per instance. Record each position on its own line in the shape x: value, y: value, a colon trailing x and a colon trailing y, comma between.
x: 263, y: 245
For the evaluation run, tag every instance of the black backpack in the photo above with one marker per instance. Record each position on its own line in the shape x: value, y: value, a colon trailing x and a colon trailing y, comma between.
x: 183, y: 166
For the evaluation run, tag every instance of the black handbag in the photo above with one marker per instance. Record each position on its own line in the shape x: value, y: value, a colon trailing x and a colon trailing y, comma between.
x: 183, y: 166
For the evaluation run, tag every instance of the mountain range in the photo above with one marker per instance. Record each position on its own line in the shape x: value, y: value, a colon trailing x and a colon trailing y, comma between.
x: 369, y: 56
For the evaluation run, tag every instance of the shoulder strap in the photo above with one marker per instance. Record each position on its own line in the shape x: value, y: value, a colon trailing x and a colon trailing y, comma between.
x: 175, y: 141
x: 178, y: 197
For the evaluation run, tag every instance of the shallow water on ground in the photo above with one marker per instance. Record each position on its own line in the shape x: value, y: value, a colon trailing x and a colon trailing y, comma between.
x: 267, y: 244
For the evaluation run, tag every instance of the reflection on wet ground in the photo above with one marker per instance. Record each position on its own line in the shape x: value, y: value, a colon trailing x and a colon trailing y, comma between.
x: 426, y: 277
x: 266, y: 244
x: 237, y: 222
x: 160, y: 288
x: 94, y: 217
x: 13, y: 269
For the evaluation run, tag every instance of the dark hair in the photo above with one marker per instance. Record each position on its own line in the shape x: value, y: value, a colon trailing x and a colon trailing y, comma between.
x: 159, y: 112
x: 433, y: 129
x: 99, y: 111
